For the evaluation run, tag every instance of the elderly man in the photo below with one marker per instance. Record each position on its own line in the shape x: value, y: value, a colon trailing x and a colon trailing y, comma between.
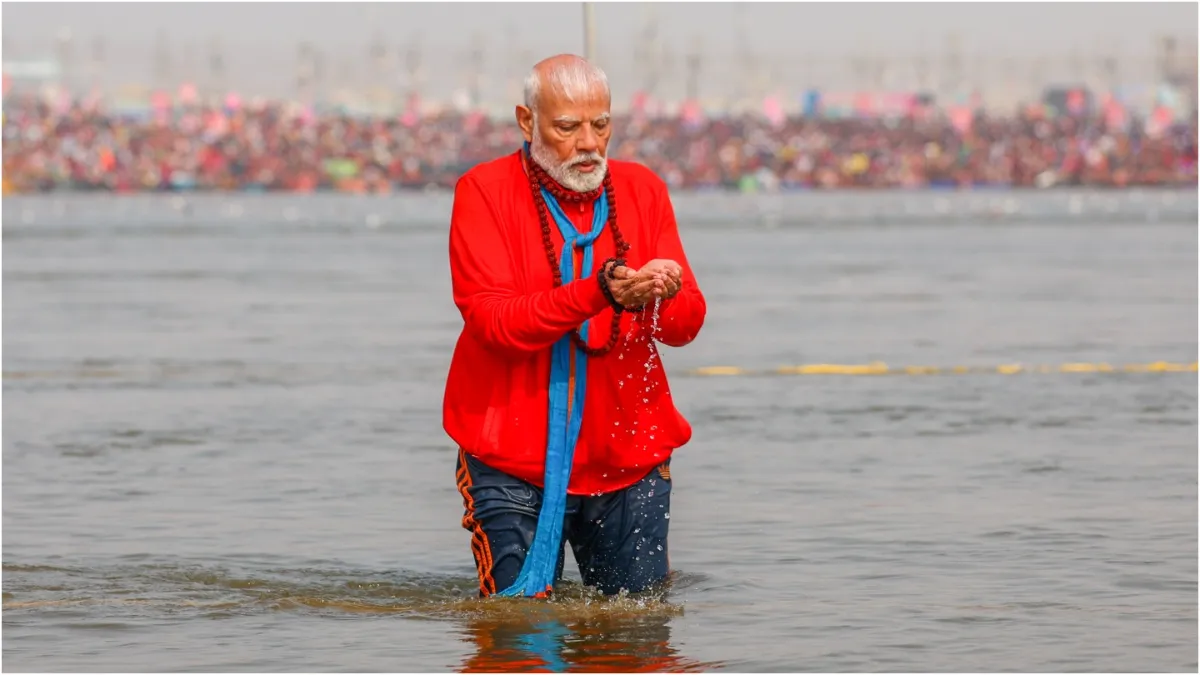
x: 568, y: 269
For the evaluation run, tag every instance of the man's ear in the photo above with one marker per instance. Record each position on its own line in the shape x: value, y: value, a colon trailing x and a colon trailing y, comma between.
x: 525, y: 121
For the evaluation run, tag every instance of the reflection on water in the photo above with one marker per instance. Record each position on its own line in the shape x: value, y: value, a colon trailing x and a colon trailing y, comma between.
x: 633, y: 643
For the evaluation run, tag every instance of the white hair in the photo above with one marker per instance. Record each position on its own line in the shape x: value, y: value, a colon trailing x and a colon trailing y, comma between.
x: 574, y: 79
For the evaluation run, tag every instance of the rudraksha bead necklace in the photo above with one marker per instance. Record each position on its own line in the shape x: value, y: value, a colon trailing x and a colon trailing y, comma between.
x: 538, y: 178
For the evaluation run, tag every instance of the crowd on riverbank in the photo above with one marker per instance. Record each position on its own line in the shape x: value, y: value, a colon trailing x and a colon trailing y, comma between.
x: 278, y: 147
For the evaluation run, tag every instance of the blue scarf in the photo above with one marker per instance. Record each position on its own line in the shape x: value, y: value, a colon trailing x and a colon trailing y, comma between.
x: 541, y: 561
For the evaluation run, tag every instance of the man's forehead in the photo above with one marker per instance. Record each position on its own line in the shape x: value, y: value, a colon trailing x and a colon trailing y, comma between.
x: 591, y: 105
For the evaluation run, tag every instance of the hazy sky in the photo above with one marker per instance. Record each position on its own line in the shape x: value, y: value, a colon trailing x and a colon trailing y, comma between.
x: 260, y: 40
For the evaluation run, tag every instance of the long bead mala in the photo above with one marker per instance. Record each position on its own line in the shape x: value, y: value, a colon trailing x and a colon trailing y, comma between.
x: 538, y: 178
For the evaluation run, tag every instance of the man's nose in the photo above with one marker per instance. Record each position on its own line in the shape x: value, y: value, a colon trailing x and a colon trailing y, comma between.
x: 587, y: 141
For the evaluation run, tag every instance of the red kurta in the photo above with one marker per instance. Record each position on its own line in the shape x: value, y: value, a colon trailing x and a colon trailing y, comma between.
x: 497, y: 391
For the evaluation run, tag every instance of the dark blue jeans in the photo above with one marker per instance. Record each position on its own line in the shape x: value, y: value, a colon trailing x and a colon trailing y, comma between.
x: 619, y: 538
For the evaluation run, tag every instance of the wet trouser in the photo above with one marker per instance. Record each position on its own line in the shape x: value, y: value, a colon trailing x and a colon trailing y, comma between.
x: 619, y: 538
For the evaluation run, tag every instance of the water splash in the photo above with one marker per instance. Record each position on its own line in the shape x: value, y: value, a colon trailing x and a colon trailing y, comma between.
x: 652, y: 360
x: 174, y: 588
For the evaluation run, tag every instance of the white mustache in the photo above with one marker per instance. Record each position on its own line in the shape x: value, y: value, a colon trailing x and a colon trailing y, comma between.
x: 592, y: 157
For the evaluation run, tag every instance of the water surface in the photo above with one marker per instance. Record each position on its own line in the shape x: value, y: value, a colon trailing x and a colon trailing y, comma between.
x: 222, y: 442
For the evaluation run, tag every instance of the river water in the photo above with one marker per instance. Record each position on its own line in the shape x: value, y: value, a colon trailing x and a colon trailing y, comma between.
x: 222, y: 443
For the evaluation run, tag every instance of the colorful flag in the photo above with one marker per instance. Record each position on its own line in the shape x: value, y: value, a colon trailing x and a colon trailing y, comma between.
x: 811, y: 103
x: 774, y: 111
x: 961, y: 118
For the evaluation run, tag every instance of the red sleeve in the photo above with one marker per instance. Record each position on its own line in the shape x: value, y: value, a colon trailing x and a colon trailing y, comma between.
x: 481, y: 270
x: 681, y: 317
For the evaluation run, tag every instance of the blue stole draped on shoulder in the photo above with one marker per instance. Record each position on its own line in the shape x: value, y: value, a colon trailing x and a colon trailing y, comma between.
x: 541, y: 561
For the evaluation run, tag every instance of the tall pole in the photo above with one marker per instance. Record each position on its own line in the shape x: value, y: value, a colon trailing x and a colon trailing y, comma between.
x: 476, y: 72
x: 692, y: 91
x: 589, y: 32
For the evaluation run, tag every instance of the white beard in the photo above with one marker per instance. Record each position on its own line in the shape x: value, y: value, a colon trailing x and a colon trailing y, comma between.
x: 565, y: 173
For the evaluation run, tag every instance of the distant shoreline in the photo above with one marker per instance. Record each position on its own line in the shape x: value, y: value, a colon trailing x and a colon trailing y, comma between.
x: 70, y: 213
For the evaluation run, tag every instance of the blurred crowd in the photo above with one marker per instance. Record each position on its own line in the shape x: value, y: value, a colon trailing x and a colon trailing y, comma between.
x: 279, y: 147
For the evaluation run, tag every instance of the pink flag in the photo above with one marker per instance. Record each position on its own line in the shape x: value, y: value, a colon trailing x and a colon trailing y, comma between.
x: 638, y: 105
x: 1159, y: 121
x: 1075, y: 102
x: 62, y: 102
x: 216, y: 124
x: 160, y: 101
x: 472, y: 122
x: 187, y: 93
x: 774, y: 111
x: 1114, y: 113
x: 412, y: 111
x: 961, y: 117
x: 864, y: 104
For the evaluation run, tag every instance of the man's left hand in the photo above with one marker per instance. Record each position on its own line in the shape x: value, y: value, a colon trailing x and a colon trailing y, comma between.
x: 667, y: 274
